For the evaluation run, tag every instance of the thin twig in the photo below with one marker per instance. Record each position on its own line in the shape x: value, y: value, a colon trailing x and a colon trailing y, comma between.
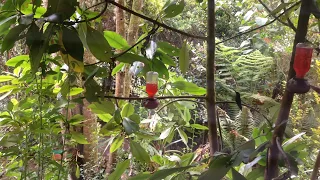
x: 291, y: 25
x: 316, y: 167
x: 274, y: 16
x: 156, y: 22
x: 251, y: 30
x: 176, y: 100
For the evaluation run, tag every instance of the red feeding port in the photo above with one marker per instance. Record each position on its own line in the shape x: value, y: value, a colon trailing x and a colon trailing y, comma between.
x: 302, y: 59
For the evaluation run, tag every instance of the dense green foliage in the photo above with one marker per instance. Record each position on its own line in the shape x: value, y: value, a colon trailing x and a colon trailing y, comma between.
x: 46, y: 84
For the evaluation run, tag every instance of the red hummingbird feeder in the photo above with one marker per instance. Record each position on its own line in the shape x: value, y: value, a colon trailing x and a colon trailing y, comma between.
x: 301, y: 66
x: 151, y: 89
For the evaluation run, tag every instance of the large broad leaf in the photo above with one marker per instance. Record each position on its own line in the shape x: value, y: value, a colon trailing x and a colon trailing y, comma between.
x: 130, y: 58
x: 7, y: 88
x: 6, y: 21
x: 120, y: 168
x: 38, y: 44
x: 64, y: 8
x: 160, y: 68
x: 12, y: 37
x: 79, y: 138
x: 165, y: 58
x: 236, y: 175
x: 72, y: 43
x: 141, y: 176
x: 165, y: 133
x: 127, y: 110
x: 130, y: 126
x: 215, y: 173
x: 162, y: 174
x: 189, y: 87
x: 138, y: 152
x: 117, y: 68
x: 168, y: 49
x: 102, y: 107
x: 184, y: 58
x: 173, y: 8
x: 256, y: 173
x: 116, y: 40
x: 116, y: 144
x: 98, y: 45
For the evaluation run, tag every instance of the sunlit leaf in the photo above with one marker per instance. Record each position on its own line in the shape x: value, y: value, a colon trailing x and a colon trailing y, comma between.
x: 117, y: 68
x: 6, y: 78
x: 183, y: 136
x: 75, y: 91
x: 102, y: 107
x: 7, y: 88
x: 189, y: 87
x: 165, y: 133
x: 116, y: 40
x: 173, y: 7
x: 116, y: 144
x: 127, y: 110
x: 198, y: 126
x: 184, y: 58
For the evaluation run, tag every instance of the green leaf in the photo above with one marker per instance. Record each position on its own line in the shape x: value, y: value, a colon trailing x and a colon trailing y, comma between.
x: 116, y: 144
x: 138, y: 152
x: 279, y: 8
x: 120, y: 169
x: 183, y: 136
x: 189, y: 87
x: 127, y: 110
x: 105, y: 117
x: 116, y: 40
x: 135, y: 118
x: 12, y: 37
x: 162, y: 174
x: 98, y: 45
x: 165, y: 133
x: 291, y: 140
x: 130, y: 58
x: 117, y: 68
x: 72, y: 43
x: 187, y: 159
x: 64, y: 8
x: 78, y: 171
x: 141, y: 176
x: 117, y: 116
x: 173, y: 8
x: 102, y: 107
x: 130, y: 126
x: 75, y: 91
x: 236, y: 175
x: 5, y: 22
x: 6, y: 78
x: 256, y: 173
x: 247, y: 145
x: 165, y: 58
x: 16, y: 60
x: 160, y: 68
x: 200, y: 127
x: 184, y: 58
x: 38, y: 44
x: 79, y: 138
x: 168, y: 48
x: 214, y: 173
x: 7, y: 88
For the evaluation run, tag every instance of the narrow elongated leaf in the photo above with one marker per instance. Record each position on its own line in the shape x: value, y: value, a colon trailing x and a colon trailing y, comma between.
x: 102, y: 107
x: 294, y: 138
x: 130, y: 126
x: 75, y: 91
x: 12, y: 37
x: 198, y: 126
x: 165, y: 133
x: 116, y: 40
x: 7, y: 88
x: 184, y: 58
x: 72, y: 43
x: 6, y: 78
x: 189, y: 87
x: 98, y: 45
x: 214, y: 173
x: 127, y: 110
x: 138, y: 152
x: 165, y: 58
x: 141, y: 176
x: 79, y: 138
x: 6, y: 22
x: 168, y: 48
x: 117, y: 68
x: 120, y: 168
x: 116, y: 144
x: 183, y: 136
x: 78, y: 171
x: 161, y: 69
x: 279, y: 8
x: 162, y: 174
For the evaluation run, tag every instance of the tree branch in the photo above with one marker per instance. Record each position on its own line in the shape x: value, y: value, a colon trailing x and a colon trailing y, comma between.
x: 286, y: 159
x: 274, y: 16
x: 316, y: 167
x: 291, y: 25
x: 155, y: 22
x: 251, y: 30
